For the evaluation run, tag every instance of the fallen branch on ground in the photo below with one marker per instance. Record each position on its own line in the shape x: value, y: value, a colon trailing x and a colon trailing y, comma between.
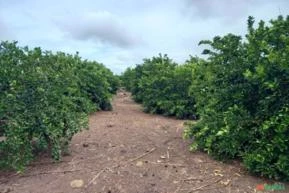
x: 169, y: 164
x: 203, y: 186
x: 50, y: 172
x: 117, y: 165
x: 95, y: 177
x: 141, y: 156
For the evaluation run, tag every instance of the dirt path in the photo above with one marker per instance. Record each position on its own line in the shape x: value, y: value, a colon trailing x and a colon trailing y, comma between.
x: 128, y: 151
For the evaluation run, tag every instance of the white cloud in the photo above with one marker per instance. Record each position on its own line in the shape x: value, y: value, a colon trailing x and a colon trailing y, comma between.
x: 103, y: 27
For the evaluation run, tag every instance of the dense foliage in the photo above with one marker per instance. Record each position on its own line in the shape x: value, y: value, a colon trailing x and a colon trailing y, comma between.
x: 242, y: 96
x: 45, y: 98
x: 162, y: 87
x: 240, y: 93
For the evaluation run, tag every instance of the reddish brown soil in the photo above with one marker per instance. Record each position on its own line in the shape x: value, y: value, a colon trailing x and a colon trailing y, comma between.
x: 128, y: 151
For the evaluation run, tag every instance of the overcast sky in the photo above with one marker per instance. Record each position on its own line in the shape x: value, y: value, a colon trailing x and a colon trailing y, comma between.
x: 120, y: 33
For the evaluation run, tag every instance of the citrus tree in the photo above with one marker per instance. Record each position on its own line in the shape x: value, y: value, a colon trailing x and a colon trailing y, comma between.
x: 162, y: 86
x: 45, y: 99
x: 242, y: 98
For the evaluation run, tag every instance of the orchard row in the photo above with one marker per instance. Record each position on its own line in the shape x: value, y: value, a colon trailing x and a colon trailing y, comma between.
x: 239, y: 94
x: 45, y: 98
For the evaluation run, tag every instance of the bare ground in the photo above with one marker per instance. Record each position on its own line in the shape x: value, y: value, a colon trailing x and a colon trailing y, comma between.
x: 128, y: 151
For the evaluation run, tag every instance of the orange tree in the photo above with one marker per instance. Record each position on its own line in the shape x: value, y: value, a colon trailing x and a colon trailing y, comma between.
x: 45, y: 99
x: 242, y: 97
x: 162, y: 86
